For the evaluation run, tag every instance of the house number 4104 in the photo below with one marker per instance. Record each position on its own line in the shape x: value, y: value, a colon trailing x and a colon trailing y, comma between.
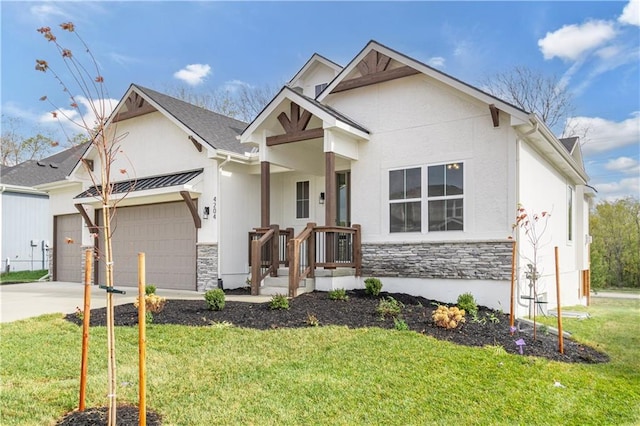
x: 213, y: 208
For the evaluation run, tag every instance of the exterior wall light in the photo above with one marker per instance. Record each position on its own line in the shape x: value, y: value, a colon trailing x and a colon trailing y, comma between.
x: 205, y: 213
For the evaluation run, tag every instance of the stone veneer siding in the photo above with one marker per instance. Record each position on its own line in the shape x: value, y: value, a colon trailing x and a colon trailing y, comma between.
x: 206, y: 267
x: 93, y: 264
x: 482, y: 260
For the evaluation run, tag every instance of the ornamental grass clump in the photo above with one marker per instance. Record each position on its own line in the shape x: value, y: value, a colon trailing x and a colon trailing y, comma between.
x: 153, y: 303
x: 389, y: 307
x: 279, y: 301
x: 338, y: 294
x: 447, y: 317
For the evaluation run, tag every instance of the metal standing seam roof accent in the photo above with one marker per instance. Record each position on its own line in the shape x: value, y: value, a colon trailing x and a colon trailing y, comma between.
x: 142, y: 184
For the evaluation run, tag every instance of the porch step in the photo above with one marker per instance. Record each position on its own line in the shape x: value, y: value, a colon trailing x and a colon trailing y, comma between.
x: 280, y: 285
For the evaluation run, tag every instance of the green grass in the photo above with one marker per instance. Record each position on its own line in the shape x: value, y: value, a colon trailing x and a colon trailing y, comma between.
x: 22, y: 276
x: 324, y: 375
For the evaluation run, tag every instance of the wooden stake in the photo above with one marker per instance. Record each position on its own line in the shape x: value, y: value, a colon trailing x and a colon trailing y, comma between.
x: 86, y: 316
x: 513, y: 281
x: 142, y: 339
x: 559, y: 309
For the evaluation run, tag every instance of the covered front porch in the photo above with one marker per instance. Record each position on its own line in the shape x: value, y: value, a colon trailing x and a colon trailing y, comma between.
x: 306, y: 151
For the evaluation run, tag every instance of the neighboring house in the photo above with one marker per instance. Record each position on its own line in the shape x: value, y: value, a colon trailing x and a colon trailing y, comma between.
x: 26, y: 221
x: 386, y: 167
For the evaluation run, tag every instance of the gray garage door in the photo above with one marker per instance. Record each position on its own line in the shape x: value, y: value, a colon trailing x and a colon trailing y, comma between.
x: 167, y: 236
x: 68, y: 248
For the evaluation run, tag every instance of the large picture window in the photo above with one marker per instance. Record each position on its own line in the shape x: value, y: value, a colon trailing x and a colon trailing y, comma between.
x: 405, y: 199
x: 302, y: 200
x: 445, y: 196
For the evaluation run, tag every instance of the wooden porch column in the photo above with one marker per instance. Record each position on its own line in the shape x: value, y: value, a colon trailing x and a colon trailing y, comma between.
x: 330, y: 189
x: 265, y: 194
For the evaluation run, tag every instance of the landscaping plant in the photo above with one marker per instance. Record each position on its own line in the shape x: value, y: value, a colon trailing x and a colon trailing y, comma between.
x: 338, y: 294
x: 373, y: 286
x: 448, y: 317
x: 215, y: 299
x: 279, y: 301
x: 389, y: 307
x: 467, y: 302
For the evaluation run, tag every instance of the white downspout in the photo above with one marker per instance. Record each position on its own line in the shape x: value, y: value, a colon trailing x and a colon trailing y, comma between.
x: 219, y: 212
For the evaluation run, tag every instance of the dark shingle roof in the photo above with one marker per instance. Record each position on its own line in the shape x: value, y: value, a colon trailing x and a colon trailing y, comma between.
x: 218, y: 130
x: 154, y: 182
x: 37, y: 172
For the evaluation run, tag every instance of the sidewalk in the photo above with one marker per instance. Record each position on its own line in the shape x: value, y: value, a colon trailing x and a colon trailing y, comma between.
x: 616, y: 295
x: 20, y: 301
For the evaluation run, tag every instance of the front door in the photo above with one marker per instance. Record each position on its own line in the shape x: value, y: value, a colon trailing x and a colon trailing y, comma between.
x: 343, y: 205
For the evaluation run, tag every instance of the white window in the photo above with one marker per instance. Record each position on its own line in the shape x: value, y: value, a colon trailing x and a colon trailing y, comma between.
x: 405, y: 200
x: 320, y: 88
x: 445, y: 197
x: 302, y: 200
x: 444, y: 202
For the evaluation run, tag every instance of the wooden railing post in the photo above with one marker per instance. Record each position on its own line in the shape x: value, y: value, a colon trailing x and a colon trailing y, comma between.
x: 357, y: 249
x: 311, y: 250
x: 289, y: 235
x: 275, y: 250
x: 255, y: 267
x: 294, y: 266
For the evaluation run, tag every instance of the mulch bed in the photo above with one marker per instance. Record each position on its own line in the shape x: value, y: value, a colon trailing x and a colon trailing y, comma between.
x: 359, y: 311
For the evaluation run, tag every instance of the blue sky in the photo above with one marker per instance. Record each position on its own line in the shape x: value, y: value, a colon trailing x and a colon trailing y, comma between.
x: 593, y: 47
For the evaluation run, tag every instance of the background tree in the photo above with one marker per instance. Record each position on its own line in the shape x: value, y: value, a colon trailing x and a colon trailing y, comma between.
x: 533, y: 91
x: 15, y: 148
x: 243, y: 103
x: 615, y: 250
x: 86, y: 80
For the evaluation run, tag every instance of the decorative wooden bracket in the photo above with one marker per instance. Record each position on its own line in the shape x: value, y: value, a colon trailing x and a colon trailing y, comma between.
x: 87, y: 220
x: 195, y: 143
x: 295, y: 127
x: 495, y: 115
x: 136, y: 105
x: 192, y: 208
x: 374, y: 68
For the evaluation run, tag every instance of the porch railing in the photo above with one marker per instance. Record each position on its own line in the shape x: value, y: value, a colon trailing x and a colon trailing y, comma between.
x: 328, y: 247
x: 267, y: 251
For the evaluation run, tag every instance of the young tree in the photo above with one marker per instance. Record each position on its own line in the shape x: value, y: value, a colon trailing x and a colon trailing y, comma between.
x: 88, y: 82
x: 532, y: 91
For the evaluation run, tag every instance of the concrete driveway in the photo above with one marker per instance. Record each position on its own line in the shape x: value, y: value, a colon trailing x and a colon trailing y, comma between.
x: 19, y: 301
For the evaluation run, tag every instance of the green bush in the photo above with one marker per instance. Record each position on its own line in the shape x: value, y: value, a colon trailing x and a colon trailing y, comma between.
x: 279, y: 301
x: 400, y: 324
x: 215, y: 299
x: 389, y: 307
x: 149, y: 289
x: 373, y: 286
x: 467, y: 302
x: 338, y: 294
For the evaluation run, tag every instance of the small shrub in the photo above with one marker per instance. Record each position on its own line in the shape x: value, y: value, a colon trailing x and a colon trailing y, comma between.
x: 215, y: 299
x: 152, y: 303
x: 400, y: 324
x: 279, y: 301
x: 389, y: 307
x: 467, y: 302
x: 148, y: 317
x: 373, y: 286
x: 149, y: 289
x: 312, y: 320
x: 338, y: 294
x: 448, y: 318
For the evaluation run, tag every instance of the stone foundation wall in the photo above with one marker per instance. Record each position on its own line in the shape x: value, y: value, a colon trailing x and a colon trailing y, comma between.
x: 206, y: 267
x: 486, y: 260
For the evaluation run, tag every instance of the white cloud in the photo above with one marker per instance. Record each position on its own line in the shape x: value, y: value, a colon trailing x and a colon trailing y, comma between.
x: 631, y: 13
x: 604, y: 135
x: 72, y: 120
x: 234, y: 85
x: 625, y: 165
x: 46, y: 11
x: 571, y: 41
x: 436, y: 62
x: 611, y: 191
x: 193, y: 74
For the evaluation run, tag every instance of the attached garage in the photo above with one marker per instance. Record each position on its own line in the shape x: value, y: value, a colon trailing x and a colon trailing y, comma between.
x: 166, y: 234
x: 67, y: 231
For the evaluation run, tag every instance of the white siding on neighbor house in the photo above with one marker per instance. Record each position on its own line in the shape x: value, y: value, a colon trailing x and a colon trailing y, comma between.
x: 416, y: 122
x: 542, y: 188
x: 25, y: 218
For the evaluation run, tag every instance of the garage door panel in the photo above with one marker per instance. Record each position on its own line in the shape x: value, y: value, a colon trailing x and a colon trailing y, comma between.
x: 68, y: 261
x: 167, y: 236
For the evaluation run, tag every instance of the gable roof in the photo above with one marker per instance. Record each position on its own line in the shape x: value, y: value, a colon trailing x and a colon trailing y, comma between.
x: 217, y: 130
x: 37, y: 172
x: 315, y: 58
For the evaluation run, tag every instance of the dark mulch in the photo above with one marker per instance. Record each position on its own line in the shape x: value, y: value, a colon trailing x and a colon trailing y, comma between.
x: 358, y: 311
x: 126, y: 415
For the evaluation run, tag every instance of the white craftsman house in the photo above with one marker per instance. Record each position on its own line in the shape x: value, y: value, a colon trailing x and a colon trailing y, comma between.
x: 385, y: 168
